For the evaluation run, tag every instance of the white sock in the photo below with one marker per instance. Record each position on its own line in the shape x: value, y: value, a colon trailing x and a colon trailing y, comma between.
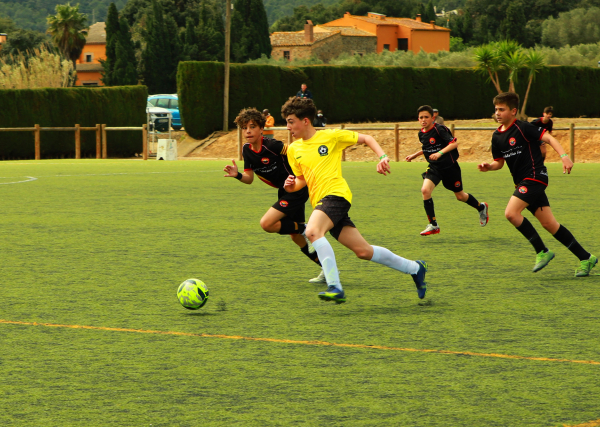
x: 386, y: 257
x: 327, y: 258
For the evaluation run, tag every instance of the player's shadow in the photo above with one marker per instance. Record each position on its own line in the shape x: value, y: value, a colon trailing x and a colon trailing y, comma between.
x: 200, y: 313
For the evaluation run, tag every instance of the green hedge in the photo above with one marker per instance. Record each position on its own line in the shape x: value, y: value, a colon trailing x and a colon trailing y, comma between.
x: 358, y: 94
x: 65, y: 107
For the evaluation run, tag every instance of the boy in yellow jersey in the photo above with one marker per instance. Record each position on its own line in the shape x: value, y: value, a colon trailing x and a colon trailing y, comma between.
x: 315, y: 159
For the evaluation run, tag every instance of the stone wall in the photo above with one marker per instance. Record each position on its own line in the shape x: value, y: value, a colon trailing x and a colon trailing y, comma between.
x: 328, y: 48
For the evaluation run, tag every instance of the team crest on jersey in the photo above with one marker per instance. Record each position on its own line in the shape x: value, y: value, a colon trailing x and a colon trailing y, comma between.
x: 265, y: 160
x: 432, y: 141
x: 283, y: 204
x: 323, y: 150
x: 522, y: 189
x: 512, y: 141
x: 457, y: 184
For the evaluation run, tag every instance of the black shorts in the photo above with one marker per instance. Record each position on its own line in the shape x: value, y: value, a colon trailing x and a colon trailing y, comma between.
x: 336, y: 208
x: 533, y: 193
x: 292, y: 204
x: 451, y: 177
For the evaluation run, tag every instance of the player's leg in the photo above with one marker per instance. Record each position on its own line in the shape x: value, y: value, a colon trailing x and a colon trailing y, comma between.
x: 353, y: 240
x: 452, y: 181
x: 426, y: 191
x: 514, y: 215
x: 564, y: 236
x: 275, y: 221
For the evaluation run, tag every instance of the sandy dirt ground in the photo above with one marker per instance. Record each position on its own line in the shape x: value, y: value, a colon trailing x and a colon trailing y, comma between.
x: 474, y: 145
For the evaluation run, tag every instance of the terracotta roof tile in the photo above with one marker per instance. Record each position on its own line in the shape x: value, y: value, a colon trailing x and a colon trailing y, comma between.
x: 350, y: 31
x: 297, y: 38
x: 89, y: 67
x: 96, y: 33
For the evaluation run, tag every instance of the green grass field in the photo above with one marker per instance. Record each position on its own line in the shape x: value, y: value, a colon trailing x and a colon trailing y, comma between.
x: 104, y: 245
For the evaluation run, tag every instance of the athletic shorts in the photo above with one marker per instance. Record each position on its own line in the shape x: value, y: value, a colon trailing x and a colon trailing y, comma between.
x: 292, y: 204
x: 451, y: 177
x: 533, y: 193
x: 336, y: 208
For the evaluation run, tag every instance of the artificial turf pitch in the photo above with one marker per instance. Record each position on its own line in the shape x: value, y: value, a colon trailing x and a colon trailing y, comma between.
x: 91, y: 332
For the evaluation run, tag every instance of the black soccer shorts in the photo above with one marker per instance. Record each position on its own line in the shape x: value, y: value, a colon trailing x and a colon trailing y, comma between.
x: 292, y: 204
x: 336, y: 208
x: 533, y: 193
x: 451, y: 177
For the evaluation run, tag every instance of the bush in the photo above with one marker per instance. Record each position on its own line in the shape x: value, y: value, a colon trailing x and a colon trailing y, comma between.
x: 65, y: 107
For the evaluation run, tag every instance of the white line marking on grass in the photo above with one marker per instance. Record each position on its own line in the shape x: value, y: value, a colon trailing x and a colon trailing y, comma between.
x: 31, y: 178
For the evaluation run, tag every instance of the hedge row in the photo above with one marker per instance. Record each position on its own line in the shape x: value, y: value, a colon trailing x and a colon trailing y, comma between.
x: 358, y: 94
x: 65, y: 107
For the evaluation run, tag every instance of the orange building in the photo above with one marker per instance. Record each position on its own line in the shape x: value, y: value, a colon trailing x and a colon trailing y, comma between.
x: 398, y: 33
x: 3, y: 38
x: 88, y: 66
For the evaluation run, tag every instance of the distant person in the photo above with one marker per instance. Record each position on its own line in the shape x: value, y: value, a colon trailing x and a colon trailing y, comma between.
x: 304, y: 92
x: 440, y: 149
x: 437, y: 118
x: 545, y: 122
x: 320, y: 121
x: 269, y: 123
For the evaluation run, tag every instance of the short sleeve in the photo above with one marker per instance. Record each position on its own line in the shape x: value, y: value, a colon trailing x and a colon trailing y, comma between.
x: 292, y: 161
x: 276, y: 146
x: 550, y: 123
x: 445, y: 134
x: 496, y: 154
x: 345, y: 138
x: 247, y: 163
x: 533, y: 132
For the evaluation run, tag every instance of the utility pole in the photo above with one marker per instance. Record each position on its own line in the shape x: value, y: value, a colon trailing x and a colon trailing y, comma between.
x: 227, y: 49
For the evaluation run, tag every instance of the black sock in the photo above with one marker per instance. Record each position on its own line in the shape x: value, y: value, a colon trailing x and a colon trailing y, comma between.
x: 312, y: 255
x: 291, y: 227
x: 532, y: 235
x: 565, y: 237
x: 472, y: 201
x: 430, y: 211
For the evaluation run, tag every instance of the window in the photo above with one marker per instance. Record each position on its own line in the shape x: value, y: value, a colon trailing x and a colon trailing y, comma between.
x: 286, y: 55
x: 359, y: 54
x: 386, y: 47
x: 403, y: 44
x: 153, y: 102
x: 174, y: 104
x: 89, y: 57
x: 162, y: 103
x: 90, y: 84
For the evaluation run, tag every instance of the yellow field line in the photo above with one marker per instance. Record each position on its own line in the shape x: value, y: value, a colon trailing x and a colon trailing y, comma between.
x: 316, y: 343
x: 588, y: 424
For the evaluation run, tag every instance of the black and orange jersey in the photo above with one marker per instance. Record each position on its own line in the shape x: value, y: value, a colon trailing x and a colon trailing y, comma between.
x: 519, y: 146
x: 438, y: 137
x: 540, y: 122
x: 270, y: 163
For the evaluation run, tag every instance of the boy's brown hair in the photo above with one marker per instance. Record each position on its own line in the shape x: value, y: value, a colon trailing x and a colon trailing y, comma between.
x: 509, y: 99
x: 300, y: 107
x: 549, y: 110
x: 250, y: 114
x: 425, y: 108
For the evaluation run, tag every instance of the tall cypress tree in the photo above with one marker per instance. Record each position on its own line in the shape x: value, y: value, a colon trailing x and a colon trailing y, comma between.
x: 125, y: 70
x: 249, y: 31
x: 112, y: 36
x: 430, y: 12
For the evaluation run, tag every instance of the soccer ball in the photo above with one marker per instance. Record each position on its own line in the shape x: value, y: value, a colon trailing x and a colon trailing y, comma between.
x: 192, y: 294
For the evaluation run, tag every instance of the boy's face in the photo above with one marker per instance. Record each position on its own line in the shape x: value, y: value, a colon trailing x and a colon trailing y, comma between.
x: 548, y: 115
x: 298, y: 127
x: 425, y: 119
x: 504, y: 115
x: 252, y: 132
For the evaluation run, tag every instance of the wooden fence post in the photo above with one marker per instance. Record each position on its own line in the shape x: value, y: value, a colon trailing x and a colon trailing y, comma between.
x: 289, y: 137
x: 98, y: 141
x: 37, y: 142
x: 342, y: 126
x: 452, y: 129
x: 77, y: 142
x: 396, y: 143
x: 145, y: 141
x: 240, y: 146
x: 572, y: 141
x: 104, y: 149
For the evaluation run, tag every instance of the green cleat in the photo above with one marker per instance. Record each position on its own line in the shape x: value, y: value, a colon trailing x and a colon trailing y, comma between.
x: 586, y: 266
x: 333, y: 294
x: 542, y: 259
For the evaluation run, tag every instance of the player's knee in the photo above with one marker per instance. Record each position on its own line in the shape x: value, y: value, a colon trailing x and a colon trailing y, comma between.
x: 268, y: 226
x: 426, y: 193
x: 312, y: 233
x: 512, y: 216
x: 364, y: 253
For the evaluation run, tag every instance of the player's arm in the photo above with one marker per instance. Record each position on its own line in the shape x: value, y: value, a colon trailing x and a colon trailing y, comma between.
x: 413, y: 156
x: 564, y: 157
x: 450, y: 140
x: 294, y: 183
x: 494, y: 166
x: 383, y: 167
x: 232, y: 172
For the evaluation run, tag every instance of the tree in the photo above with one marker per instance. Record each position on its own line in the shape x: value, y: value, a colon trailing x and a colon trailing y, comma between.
x: 467, y: 26
x: 488, y: 62
x: 513, y: 26
x: 534, y: 61
x: 579, y: 26
x: 112, y: 36
x: 125, y: 70
x: 68, y: 30
x: 430, y: 12
x: 249, y: 31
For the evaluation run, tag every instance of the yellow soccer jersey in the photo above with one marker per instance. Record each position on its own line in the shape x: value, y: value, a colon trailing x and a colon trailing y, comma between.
x: 319, y: 160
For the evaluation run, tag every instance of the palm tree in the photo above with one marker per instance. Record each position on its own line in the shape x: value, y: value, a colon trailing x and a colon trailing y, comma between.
x: 68, y: 30
x: 513, y: 62
x: 534, y: 62
x: 488, y: 62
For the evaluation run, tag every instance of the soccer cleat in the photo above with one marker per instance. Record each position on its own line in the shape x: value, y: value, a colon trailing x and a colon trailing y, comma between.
x: 484, y: 217
x: 431, y: 229
x: 542, y: 259
x: 319, y: 279
x: 586, y: 266
x: 419, y: 279
x: 333, y: 294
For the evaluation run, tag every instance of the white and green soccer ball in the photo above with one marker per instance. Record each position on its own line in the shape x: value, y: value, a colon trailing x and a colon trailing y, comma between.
x: 192, y: 294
